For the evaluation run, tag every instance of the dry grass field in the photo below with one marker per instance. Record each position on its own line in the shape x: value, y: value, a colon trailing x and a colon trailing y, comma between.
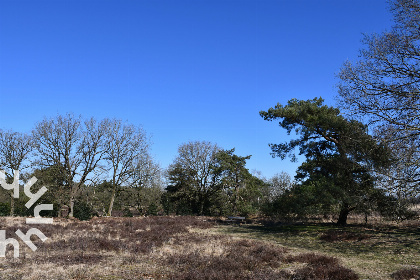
x: 380, y: 250
x: 201, y: 248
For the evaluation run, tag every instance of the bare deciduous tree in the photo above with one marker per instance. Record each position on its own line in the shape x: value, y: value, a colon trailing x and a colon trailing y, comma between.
x: 124, y: 149
x: 279, y: 183
x: 195, y: 160
x: 148, y: 186
x: 383, y: 88
x: 15, y: 149
x: 74, y: 144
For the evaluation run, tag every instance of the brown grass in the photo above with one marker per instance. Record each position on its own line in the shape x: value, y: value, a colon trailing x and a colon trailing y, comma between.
x: 156, y: 248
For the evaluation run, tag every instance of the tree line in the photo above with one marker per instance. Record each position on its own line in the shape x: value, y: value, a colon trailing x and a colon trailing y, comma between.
x: 363, y: 156
x: 96, y: 166
x: 70, y: 154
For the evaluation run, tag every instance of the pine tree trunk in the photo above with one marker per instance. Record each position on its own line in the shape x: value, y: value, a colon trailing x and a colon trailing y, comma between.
x: 235, y: 201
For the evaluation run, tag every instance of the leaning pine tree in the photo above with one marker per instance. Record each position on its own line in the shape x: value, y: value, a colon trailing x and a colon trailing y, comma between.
x: 340, y: 154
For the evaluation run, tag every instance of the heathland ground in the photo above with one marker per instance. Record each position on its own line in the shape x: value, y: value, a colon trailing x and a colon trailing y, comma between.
x: 187, y: 247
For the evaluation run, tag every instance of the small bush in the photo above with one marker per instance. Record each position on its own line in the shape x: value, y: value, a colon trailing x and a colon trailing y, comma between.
x: 127, y: 212
x: 406, y: 274
x: 152, y: 210
x: 4, y: 209
x: 325, y: 272
x: 83, y: 211
x: 321, y: 267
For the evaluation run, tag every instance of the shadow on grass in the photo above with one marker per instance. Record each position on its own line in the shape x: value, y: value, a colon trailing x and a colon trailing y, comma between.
x: 350, y: 240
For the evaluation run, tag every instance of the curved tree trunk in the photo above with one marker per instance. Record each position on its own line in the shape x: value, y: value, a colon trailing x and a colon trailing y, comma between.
x: 344, y: 212
x: 342, y: 219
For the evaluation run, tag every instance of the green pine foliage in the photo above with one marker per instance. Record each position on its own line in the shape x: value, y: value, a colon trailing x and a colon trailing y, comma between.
x: 340, y: 158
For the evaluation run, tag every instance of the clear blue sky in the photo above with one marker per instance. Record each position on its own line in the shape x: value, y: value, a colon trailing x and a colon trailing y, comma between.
x: 184, y: 70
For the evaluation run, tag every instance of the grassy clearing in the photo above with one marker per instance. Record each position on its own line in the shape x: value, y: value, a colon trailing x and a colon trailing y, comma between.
x: 373, y: 252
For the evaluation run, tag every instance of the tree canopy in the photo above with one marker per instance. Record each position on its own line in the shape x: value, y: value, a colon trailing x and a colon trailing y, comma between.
x: 339, y: 153
x: 383, y: 88
x: 207, y: 180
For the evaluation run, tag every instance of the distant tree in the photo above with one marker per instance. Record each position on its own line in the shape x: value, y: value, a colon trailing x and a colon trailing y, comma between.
x: 15, y: 149
x: 192, y: 178
x: 340, y: 154
x: 54, y: 178
x: 148, y: 187
x: 251, y: 196
x: 180, y: 197
x: 208, y: 180
x: 279, y: 183
x: 143, y: 199
x: 99, y: 197
x: 234, y: 175
x: 75, y: 145
x: 242, y: 190
x: 383, y: 88
x: 125, y: 145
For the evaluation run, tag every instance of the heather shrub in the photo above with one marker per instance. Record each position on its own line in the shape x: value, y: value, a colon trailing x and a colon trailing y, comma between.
x: 325, y: 272
x: 132, y: 235
x: 321, y: 267
x: 406, y: 274
x: 152, y: 210
x: 127, y: 212
x: 83, y: 211
x: 250, y: 259
x: 4, y: 209
x: 170, y: 247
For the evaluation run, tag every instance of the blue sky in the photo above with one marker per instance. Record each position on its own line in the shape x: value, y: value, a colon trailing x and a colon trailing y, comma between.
x: 184, y: 70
